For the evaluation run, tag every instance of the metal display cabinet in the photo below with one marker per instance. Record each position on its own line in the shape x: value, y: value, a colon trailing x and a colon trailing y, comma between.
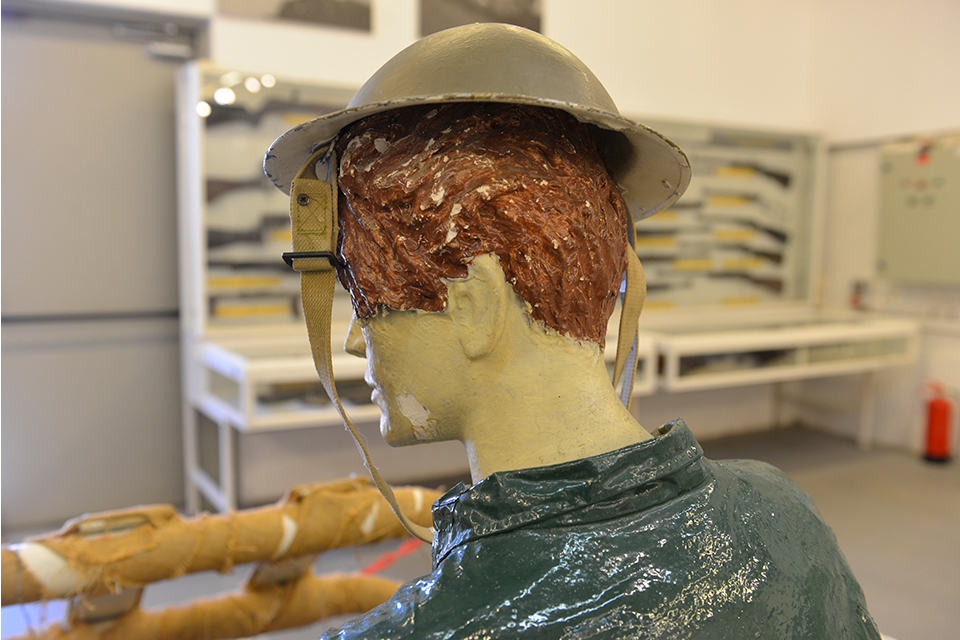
x: 815, y: 348
x: 742, y: 234
x: 732, y: 269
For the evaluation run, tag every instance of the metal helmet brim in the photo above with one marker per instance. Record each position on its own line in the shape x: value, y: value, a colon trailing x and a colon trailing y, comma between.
x: 490, y: 62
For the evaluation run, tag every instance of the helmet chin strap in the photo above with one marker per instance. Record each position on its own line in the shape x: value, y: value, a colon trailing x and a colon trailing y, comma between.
x: 634, y: 295
x: 313, y: 216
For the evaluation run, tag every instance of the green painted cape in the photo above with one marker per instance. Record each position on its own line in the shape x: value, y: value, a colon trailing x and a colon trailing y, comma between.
x: 651, y: 541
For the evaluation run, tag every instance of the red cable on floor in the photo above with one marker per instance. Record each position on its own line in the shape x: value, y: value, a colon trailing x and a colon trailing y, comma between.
x: 388, y: 559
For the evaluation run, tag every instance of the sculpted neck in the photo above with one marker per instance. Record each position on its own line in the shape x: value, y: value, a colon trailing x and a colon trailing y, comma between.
x: 547, y: 399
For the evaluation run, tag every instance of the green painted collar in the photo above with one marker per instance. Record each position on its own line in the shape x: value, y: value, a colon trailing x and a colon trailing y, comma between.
x: 594, y: 489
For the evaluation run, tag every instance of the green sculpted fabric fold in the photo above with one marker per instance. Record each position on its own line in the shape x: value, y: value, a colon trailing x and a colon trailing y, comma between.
x: 651, y: 541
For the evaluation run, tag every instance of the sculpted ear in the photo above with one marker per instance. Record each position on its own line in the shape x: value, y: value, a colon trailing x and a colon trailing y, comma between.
x: 477, y: 306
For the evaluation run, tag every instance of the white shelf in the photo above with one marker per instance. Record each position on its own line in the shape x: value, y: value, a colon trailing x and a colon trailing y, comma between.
x: 240, y: 377
x: 809, y: 348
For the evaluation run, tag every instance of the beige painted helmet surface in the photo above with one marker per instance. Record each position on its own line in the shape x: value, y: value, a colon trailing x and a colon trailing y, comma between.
x: 501, y: 63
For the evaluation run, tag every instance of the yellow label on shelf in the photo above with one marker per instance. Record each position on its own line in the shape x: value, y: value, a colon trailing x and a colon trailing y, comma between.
x: 728, y: 201
x: 251, y: 310
x: 658, y: 242
x: 703, y: 264
x: 734, y: 235
x: 281, y: 235
x: 742, y: 264
x: 658, y: 304
x: 242, y: 282
x: 735, y: 172
x: 669, y: 214
x: 740, y: 300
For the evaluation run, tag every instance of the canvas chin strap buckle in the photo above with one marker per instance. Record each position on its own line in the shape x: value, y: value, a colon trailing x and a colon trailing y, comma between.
x: 313, y: 217
x: 330, y: 256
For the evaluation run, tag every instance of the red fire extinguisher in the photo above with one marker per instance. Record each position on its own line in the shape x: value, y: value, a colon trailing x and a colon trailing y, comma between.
x: 940, y: 411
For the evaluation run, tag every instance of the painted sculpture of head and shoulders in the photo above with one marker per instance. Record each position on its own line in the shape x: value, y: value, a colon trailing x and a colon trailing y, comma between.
x: 487, y: 190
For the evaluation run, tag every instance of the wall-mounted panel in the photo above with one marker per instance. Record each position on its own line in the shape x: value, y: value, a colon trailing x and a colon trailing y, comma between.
x: 919, y: 239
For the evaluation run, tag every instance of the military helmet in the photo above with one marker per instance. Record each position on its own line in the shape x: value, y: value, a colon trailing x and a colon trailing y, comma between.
x: 501, y: 63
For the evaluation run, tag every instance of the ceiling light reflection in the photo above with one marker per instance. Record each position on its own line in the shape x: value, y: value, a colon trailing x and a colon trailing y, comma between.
x: 252, y: 84
x: 223, y: 95
x: 203, y: 109
x: 231, y: 78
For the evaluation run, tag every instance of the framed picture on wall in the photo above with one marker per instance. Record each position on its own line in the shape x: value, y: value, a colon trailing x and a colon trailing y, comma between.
x: 346, y: 14
x: 437, y: 15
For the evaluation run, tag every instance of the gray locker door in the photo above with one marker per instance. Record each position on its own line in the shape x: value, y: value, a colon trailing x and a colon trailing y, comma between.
x: 91, y: 396
x: 920, y: 212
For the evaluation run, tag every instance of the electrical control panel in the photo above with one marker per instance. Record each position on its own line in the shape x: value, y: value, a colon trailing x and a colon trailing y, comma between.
x: 919, y: 235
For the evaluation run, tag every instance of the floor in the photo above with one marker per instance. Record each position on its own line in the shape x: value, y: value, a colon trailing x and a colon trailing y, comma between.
x: 897, y: 519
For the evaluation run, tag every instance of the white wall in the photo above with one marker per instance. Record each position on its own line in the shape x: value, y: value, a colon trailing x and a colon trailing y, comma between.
x: 339, y: 57
x: 740, y: 61
x: 882, y: 72
x: 735, y: 61
x: 886, y: 67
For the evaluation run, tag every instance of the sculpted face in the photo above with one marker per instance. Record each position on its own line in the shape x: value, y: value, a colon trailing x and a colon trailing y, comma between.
x: 409, y: 368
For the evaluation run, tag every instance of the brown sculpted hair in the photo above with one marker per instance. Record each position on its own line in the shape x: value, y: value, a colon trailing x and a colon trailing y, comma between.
x: 425, y: 189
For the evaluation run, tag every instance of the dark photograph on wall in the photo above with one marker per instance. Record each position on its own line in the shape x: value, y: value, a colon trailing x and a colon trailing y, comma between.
x: 437, y: 15
x: 346, y: 14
